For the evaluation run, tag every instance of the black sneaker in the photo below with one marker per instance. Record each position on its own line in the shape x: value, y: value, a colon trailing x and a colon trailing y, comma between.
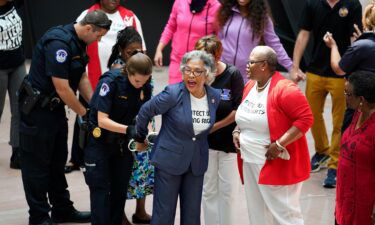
x: 317, y: 162
x: 74, y: 217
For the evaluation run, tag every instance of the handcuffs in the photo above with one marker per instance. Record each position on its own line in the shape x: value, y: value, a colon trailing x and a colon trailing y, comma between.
x: 150, y: 139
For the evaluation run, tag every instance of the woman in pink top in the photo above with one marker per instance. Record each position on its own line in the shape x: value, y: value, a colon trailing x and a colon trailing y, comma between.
x: 189, y: 21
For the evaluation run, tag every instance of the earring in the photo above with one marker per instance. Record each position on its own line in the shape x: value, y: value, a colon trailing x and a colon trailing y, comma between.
x: 360, y: 107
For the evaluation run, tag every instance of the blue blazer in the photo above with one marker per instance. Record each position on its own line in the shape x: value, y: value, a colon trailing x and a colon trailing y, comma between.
x: 177, y: 147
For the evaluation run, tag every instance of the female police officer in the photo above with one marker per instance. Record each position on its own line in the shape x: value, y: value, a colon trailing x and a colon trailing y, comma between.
x: 108, y: 163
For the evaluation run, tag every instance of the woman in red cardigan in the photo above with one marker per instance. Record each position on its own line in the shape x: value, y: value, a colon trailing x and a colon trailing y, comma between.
x: 272, y: 121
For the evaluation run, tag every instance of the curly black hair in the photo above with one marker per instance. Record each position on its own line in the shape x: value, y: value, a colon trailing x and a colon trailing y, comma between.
x: 363, y: 85
x: 257, y: 13
x: 125, y: 37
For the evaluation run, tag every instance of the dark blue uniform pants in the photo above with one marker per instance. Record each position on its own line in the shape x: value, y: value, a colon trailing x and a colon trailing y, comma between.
x: 77, y: 152
x: 43, y: 145
x: 167, y: 189
x: 107, y: 174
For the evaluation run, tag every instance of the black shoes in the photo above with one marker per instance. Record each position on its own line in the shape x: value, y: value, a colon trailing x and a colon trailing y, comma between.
x: 14, y: 165
x: 47, y: 222
x: 70, y: 167
x: 136, y: 219
x: 15, y: 159
x: 74, y: 217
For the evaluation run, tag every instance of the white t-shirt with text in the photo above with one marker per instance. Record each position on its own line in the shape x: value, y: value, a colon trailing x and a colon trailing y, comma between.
x: 200, y: 114
x: 251, y: 118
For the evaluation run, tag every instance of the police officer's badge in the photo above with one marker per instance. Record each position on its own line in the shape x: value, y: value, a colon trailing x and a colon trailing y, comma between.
x: 343, y: 12
x: 97, y: 132
x: 104, y: 89
x: 61, y: 55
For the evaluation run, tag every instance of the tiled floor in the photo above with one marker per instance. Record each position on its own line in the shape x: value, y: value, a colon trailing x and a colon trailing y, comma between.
x: 317, y: 202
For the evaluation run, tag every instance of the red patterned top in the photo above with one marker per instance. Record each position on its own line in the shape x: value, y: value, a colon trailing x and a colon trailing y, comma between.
x: 355, y: 194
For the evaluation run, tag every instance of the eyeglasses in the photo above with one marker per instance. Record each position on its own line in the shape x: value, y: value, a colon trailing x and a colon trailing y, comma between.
x: 195, y: 73
x: 250, y: 62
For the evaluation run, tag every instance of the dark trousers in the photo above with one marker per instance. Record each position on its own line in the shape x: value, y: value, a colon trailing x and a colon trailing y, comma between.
x: 107, y: 173
x: 77, y: 153
x: 167, y: 189
x: 348, y: 117
x: 43, y: 151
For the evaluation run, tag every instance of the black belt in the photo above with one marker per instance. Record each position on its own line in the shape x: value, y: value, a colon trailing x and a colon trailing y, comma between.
x: 31, y: 97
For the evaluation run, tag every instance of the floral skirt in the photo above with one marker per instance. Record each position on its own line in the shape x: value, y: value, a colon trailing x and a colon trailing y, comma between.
x: 142, y: 180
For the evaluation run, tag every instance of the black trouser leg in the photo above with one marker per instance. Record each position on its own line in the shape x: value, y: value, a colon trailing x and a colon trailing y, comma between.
x: 58, y: 190
x: 121, y: 171
x: 43, y: 152
x: 77, y: 152
x: 35, y: 179
x: 107, y: 174
x: 96, y: 177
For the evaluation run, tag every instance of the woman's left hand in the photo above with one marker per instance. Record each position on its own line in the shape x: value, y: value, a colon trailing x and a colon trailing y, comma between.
x: 272, y: 151
x: 373, y: 215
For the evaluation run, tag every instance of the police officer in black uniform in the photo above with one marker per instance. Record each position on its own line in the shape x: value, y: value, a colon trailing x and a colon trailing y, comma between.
x: 108, y: 161
x: 57, y: 71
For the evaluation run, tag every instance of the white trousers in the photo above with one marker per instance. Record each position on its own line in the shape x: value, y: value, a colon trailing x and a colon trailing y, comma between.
x: 220, y: 185
x: 269, y: 204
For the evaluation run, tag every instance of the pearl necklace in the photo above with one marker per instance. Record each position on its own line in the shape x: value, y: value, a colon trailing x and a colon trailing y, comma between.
x: 264, y: 86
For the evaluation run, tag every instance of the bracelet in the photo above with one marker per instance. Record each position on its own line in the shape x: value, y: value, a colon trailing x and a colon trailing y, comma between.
x: 279, y: 146
x: 236, y: 131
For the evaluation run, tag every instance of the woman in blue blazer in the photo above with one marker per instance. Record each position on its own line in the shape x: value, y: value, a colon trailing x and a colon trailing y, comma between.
x: 180, y: 153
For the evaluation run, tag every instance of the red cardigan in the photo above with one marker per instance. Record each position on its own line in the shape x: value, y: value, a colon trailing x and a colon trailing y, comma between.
x: 287, y: 106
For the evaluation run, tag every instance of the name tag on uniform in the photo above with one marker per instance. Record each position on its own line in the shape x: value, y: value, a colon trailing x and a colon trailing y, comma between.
x: 76, y: 57
x: 123, y: 97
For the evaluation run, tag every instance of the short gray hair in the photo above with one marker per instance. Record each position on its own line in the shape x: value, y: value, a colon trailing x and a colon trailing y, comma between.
x: 268, y: 54
x: 208, y: 62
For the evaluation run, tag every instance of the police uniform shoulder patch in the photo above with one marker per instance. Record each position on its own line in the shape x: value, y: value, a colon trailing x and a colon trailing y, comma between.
x: 61, y: 55
x: 104, y: 89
